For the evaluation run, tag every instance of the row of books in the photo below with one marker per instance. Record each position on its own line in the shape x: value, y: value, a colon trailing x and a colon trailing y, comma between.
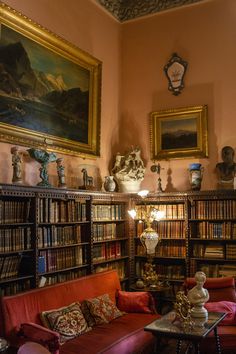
x: 214, y: 230
x: 231, y: 251
x: 16, y: 239
x: 61, y: 277
x: 102, y: 232
x: 14, y: 211
x: 59, y: 236
x: 120, y: 266
x: 14, y: 288
x: 166, y: 229
x: 213, y: 270
x: 171, y: 250
x: 107, y: 251
x: 171, y: 272
x: 9, y: 266
x: 214, y: 209
x: 208, y: 251
x: 58, y: 259
x: 107, y: 212
x: 54, y: 211
x: 171, y: 211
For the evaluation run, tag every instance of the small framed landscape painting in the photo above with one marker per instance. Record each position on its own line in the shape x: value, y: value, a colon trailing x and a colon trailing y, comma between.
x: 179, y: 133
x: 49, y: 89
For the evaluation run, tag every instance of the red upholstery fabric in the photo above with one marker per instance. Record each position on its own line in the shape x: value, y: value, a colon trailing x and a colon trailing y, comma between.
x: 224, y: 306
x: 26, y: 307
x: 133, y: 301
x: 219, y: 288
x: 124, y: 335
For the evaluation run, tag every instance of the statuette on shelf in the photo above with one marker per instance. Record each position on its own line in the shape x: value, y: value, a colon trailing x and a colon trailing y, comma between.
x: 226, y: 170
x: 61, y: 173
x: 87, y: 181
x: 129, y: 170
x: 16, y: 163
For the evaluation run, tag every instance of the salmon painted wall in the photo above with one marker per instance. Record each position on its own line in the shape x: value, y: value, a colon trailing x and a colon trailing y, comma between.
x: 133, y: 55
x: 89, y: 27
x: 204, y: 35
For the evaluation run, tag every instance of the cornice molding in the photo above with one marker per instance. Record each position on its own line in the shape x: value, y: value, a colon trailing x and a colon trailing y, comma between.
x: 124, y: 10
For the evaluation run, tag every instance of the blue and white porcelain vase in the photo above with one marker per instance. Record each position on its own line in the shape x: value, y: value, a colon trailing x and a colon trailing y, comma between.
x: 196, y: 175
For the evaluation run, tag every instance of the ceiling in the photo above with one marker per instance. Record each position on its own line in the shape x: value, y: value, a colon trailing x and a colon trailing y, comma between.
x: 124, y: 10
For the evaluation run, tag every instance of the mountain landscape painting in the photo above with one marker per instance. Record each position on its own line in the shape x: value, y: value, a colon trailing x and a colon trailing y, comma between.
x: 179, y: 134
x: 42, y: 91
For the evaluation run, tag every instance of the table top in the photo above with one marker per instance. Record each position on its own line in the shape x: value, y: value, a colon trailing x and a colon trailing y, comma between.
x: 166, y: 326
x: 157, y: 289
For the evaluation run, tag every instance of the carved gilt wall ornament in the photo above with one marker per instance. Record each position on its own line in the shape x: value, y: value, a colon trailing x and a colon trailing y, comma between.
x: 175, y: 70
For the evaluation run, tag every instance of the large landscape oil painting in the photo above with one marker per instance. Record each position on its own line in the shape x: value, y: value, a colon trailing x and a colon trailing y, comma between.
x: 47, y: 94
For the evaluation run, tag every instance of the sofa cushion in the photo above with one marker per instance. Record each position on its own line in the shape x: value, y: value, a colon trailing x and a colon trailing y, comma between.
x: 87, y: 315
x: 133, y: 301
x: 224, y: 306
x: 103, y: 309
x: 123, y: 335
x: 219, y: 288
x: 68, y: 321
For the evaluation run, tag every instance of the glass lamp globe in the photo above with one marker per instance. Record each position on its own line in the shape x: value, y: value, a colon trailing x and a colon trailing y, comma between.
x: 149, y: 239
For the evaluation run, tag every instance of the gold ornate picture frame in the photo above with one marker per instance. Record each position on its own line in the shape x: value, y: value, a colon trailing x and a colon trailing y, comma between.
x: 179, y: 133
x: 50, y: 90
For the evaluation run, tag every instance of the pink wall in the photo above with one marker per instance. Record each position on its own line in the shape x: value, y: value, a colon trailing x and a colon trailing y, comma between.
x: 133, y: 55
x: 89, y: 27
x: 204, y: 35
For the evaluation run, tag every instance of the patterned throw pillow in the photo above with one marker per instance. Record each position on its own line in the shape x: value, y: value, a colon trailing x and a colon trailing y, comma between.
x: 103, y: 309
x: 68, y: 321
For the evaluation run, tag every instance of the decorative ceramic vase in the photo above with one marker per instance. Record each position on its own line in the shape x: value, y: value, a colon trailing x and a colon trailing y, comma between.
x: 139, y: 284
x: 109, y: 184
x: 196, y: 174
x: 43, y: 157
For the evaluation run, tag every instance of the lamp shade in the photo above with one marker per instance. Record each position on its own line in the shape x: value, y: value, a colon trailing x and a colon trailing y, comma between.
x: 149, y: 239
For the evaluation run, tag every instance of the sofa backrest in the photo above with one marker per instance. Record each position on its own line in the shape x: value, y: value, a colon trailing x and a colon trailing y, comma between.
x: 220, y: 289
x: 27, y: 306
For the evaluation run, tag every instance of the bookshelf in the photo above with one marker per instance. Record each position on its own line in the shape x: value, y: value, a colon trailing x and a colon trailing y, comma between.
x: 212, y: 233
x: 50, y: 235
x: 54, y: 235
x: 171, y: 252
x: 17, y: 227
x: 63, y: 226
x: 111, y: 242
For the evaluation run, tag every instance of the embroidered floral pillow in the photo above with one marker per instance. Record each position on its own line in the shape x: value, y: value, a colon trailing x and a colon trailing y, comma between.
x: 103, y: 309
x: 68, y: 321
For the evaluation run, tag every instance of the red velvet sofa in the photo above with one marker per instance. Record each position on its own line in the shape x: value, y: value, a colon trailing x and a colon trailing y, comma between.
x: 222, y: 299
x: 124, y: 335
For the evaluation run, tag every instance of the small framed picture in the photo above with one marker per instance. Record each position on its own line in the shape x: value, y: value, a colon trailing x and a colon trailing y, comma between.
x: 179, y: 133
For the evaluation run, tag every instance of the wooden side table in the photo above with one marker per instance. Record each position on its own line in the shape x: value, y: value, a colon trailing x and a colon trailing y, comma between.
x: 156, y: 293
x: 166, y: 327
x: 4, y: 345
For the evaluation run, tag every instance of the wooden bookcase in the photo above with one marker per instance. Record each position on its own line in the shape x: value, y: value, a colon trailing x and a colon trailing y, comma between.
x: 54, y: 235
x: 111, y: 241
x: 212, y: 233
x: 171, y: 253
